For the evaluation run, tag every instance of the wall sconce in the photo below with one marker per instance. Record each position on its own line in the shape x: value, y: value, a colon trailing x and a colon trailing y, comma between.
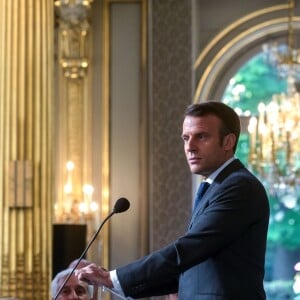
x: 75, y: 209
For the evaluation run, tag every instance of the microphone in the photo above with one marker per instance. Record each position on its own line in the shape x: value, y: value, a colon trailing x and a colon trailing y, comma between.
x: 121, y: 205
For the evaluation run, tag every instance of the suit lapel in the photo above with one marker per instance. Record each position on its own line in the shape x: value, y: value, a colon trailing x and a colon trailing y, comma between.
x: 232, y: 167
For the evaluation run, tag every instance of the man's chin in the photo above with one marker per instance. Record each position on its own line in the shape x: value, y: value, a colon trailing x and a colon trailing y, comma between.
x: 195, y: 169
x: 199, y: 171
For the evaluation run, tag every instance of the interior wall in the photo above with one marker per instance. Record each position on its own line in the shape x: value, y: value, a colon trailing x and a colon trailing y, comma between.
x: 148, y: 92
x: 125, y: 104
x: 120, y: 87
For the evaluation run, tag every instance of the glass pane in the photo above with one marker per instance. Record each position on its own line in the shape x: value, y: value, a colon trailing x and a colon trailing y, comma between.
x: 256, y: 81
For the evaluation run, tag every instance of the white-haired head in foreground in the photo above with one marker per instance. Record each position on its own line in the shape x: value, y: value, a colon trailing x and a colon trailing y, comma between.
x: 73, y: 286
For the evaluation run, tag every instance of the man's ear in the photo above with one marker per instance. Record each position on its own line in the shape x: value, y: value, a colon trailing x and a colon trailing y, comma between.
x: 229, y: 141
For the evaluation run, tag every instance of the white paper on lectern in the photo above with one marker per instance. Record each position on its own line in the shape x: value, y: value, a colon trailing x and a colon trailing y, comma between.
x: 104, y: 288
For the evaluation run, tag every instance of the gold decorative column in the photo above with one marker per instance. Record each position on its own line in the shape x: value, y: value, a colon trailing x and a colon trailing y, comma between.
x: 26, y: 60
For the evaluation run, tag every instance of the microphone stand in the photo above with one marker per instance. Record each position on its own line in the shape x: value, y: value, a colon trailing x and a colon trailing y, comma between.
x: 83, y: 254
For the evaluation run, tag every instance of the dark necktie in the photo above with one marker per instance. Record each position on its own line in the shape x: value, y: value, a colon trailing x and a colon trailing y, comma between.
x: 201, y: 191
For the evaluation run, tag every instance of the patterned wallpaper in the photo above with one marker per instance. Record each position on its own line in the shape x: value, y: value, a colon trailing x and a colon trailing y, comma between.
x: 171, y: 92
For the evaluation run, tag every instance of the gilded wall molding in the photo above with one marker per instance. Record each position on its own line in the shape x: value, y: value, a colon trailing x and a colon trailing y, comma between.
x: 73, y: 18
x: 26, y: 59
x: 73, y: 101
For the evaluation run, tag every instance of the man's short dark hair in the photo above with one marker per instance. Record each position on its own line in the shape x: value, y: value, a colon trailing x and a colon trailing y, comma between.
x: 229, y: 118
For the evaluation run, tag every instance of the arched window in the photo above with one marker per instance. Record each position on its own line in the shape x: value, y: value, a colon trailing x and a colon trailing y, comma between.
x: 255, y: 82
x: 233, y: 69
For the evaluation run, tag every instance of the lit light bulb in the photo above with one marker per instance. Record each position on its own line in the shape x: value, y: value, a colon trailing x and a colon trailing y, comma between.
x: 88, y: 189
x: 70, y: 165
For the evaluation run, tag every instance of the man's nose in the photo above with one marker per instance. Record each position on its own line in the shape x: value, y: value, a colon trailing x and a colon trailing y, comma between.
x: 73, y: 295
x: 190, y: 145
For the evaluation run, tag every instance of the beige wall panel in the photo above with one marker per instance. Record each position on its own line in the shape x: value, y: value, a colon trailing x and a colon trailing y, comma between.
x: 125, y: 128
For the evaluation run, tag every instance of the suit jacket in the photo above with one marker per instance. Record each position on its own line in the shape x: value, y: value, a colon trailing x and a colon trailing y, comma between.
x: 222, y: 254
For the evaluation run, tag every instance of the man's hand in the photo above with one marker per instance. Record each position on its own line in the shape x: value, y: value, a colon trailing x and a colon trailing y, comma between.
x: 95, y: 275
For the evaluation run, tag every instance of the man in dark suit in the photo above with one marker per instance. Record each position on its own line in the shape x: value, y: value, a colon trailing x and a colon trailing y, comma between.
x: 222, y: 254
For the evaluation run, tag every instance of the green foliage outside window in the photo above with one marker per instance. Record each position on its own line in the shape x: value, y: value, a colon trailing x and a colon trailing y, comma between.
x: 256, y: 82
x: 260, y: 81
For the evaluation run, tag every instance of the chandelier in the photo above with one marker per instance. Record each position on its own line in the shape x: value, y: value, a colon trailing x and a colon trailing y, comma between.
x: 75, y: 208
x: 275, y: 132
x: 285, y: 57
x: 275, y: 144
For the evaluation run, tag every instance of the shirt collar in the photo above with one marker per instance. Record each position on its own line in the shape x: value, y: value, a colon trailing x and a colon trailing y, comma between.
x: 213, y: 175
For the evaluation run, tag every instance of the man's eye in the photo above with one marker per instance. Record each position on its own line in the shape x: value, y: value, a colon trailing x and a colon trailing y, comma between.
x: 81, y: 291
x: 202, y: 136
x: 65, y: 291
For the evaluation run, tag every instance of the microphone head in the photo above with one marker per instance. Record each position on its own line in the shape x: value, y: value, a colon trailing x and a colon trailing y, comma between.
x: 121, y: 205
